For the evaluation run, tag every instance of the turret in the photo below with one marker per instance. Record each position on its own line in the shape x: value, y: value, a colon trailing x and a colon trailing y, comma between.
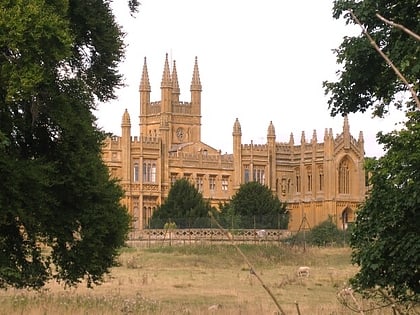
x: 144, y: 90
x: 361, y: 143
x: 237, y: 153
x: 196, y: 89
x: 126, y: 146
x: 271, y: 140
x: 175, y: 86
x: 271, y: 131
x: 166, y: 88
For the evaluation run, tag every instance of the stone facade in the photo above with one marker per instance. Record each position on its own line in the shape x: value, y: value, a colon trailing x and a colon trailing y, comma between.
x: 316, y: 179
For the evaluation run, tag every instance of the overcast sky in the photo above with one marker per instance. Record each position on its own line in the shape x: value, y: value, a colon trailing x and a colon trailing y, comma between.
x: 259, y: 61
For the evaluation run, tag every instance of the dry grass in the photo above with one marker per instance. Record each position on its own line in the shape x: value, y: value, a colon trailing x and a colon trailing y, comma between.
x: 190, y: 279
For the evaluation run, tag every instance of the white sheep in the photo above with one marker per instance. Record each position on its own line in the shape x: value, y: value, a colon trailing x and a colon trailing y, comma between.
x: 303, y: 271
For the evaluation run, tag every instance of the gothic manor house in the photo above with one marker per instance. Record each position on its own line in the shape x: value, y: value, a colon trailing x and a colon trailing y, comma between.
x: 316, y: 179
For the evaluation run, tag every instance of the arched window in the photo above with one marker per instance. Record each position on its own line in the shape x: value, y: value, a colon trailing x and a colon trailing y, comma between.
x: 153, y: 173
x: 259, y: 174
x: 136, y: 172
x: 298, y: 180
x: 149, y: 171
x: 344, y: 177
x: 321, y: 179
x: 246, y: 173
x: 309, y: 177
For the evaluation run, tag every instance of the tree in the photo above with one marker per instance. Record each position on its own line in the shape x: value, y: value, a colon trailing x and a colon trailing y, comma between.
x: 385, y: 238
x: 258, y: 207
x: 60, y: 216
x: 184, y: 206
x: 366, y: 81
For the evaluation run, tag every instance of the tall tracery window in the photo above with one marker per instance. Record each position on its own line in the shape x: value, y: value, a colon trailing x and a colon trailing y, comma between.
x: 298, y: 181
x: 259, y: 174
x: 149, y: 171
x: 225, y: 183
x: 136, y: 172
x: 174, y: 177
x: 199, y: 182
x: 246, y: 173
x: 212, y: 182
x: 321, y: 179
x: 309, y: 177
x: 344, y: 178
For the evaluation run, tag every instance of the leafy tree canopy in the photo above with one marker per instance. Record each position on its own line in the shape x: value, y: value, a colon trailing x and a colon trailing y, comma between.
x: 365, y: 80
x: 258, y: 203
x: 184, y: 206
x: 60, y: 215
x: 385, y: 238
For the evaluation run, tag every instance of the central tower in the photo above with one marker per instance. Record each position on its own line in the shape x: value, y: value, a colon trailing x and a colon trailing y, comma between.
x: 170, y: 119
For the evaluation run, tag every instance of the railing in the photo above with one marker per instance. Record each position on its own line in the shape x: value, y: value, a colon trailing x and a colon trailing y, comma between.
x: 148, y: 237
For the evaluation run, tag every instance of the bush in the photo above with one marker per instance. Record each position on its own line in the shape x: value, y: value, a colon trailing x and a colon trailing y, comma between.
x: 324, y: 234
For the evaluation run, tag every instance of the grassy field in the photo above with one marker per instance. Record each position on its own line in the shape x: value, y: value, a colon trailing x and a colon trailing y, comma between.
x: 203, y: 279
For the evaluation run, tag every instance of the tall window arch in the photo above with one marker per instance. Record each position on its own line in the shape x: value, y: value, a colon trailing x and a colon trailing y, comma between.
x: 344, y: 177
x: 136, y: 172
x: 149, y: 171
x: 309, y: 178
x: 320, y: 179
x: 259, y: 174
x: 246, y: 173
x: 298, y: 180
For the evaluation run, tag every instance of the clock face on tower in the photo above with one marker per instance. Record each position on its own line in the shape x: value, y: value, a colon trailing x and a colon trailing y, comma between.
x: 180, y: 133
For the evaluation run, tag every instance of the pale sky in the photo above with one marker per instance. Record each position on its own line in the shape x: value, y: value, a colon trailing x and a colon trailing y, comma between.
x: 259, y: 61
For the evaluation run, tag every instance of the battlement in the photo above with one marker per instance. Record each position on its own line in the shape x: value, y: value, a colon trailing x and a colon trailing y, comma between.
x: 254, y: 147
x: 182, y: 108
x: 154, y: 107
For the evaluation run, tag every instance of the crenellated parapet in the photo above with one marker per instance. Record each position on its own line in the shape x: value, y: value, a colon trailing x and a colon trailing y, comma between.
x: 153, y: 107
x: 254, y: 147
x: 182, y: 108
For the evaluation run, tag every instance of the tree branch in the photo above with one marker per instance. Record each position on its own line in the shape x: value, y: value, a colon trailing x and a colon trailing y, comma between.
x: 401, y: 27
x: 388, y: 61
x: 251, y: 267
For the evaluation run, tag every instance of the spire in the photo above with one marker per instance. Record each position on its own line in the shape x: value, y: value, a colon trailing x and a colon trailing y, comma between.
x: 271, y: 130
x: 292, y: 139
x: 314, y: 137
x: 125, y: 122
x: 166, y: 77
x: 346, y: 126
x: 195, y: 82
x: 175, y: 85
x: 302, y: 138
x: 346, y: 133
x: 144, y: 82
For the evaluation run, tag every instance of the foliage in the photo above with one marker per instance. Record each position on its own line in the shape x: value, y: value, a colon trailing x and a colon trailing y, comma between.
x: 386, y: 239
x: 184, y: 206
x: 366, y: 81
x: 255, y: 206
x: 60, y: 215
x: 324, y: 234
